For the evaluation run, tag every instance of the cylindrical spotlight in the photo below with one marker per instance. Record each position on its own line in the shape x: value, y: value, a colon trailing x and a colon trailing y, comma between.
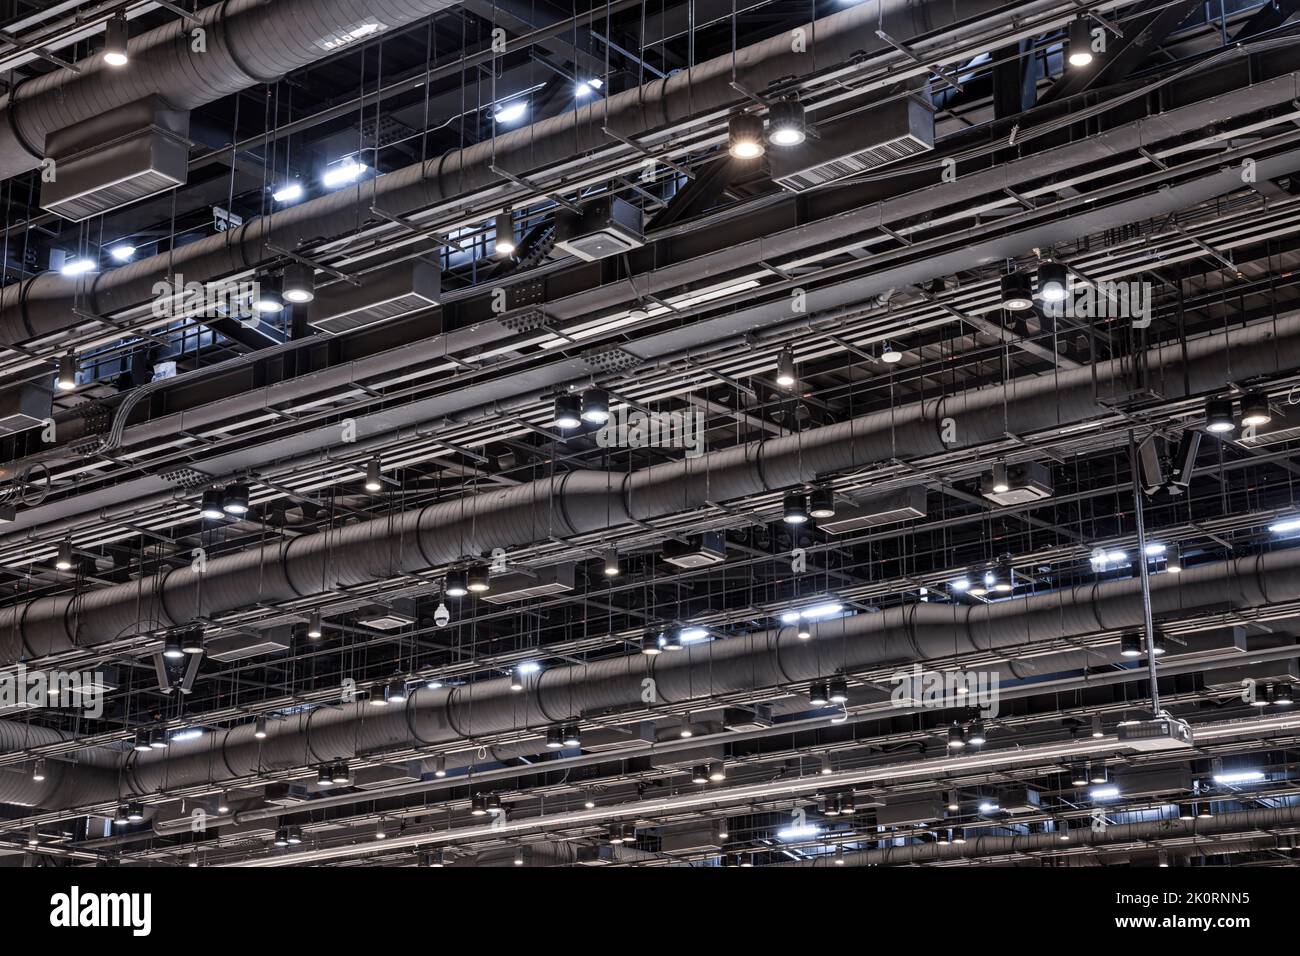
x: 116, y: 35
x: 66, y: 379
x: 172, y: 649
x: 745, y: 136
x: 192, y: 641
x: 210, y: 508
x: 505, y: 230
x: 786, y: 125
x: 1053, y: 282
x: 795, y: 508
x: 821, y: 504
x: 717, y: 771
x: 374, y: 481
x: 1098, y: 773
x: 299, y: 283
x: 818, y: 693
x: 650, y: 644
x: 976, y: 737
x: 785, y: 370
x: 440, y: 766
x: 700, y: 774
x: 314, y: 629
x: 479, y: 578
x: 1174, y: 561
x: 1080, y: 43
x: 1130, y: 644
x: 568, y: 411
x: 457, y: 583
x: 268, y: 297
x: 479, y: 805
x: 571, y: 737
x: 956, y: 736
x: 839, y: 690
x: 1218, y: 416
x: 259, y: 728
x: 63, y: 557
x: 1255, y: 409
x: 234, y: 500
x: 595, y: 406
x: 1017, y: 292
x: 611, y: 564
x: 554, y: 738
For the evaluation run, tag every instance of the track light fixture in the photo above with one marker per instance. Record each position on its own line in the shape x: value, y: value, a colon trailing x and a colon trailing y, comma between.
x: 1255, y: 409
x: 192, y: 640
x: 956, y: 736
x: 63, y: 557
x: 700, y: 774
x: 395, y: 692
x: 172, y: 649
x: 568, y: 411
x: 818, y: 693
x: 611, y: 563
x: 116, y: 34
x: 1130, y: 644
x: 554, y: 738
x: 478, y: 578
x: 651, y: 644
x: 571, y: 737
x: 671, y: 639
x: 1017, y: 292
x: 234, y: 500
x: 976, y: 736
x: 325, y: 776
x: 134, y: 812
x: 1218, y: 416
x: 478, y: 805
x: 299, y: 283
x: 1097, y: 773
x: 1003, y: 577
x: 281, y: 837
x: 717, y: 771
x: 268, y: 296
x: 745, y: 136
x: 1053, y: 282
x: 374, y: 482
x: 516, y: 680
x: 786, y: 376
x: 821, y: 504
x: 66, y: 379
x: 839, y: 690
x: 157, y: 740
x: 795, y: 508
x: 1080, y: 43
x: 38, y: 770
x: 786, y: 125
x: 1174, y: 561
x: 505, y: 234
x: 314, y: 629
x: 457, y: 583
x: 210, y: 508
x: 1282, y: 695
x: 440, y: 766
x: 595, y: 406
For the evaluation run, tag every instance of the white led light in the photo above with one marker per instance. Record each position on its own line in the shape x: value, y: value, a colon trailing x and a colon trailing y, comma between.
x: 1104, y: 793
x: 289, y: 192
x: 122, y: 252
x: 78, y: 267
x: 1285, y: 525
x: 1241, y: 776
x: 348, y: 171
x: 529, y: 667
x: 510, y: 112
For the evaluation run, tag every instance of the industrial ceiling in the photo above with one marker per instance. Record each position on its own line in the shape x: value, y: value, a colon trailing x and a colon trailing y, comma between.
x: 682, y: 434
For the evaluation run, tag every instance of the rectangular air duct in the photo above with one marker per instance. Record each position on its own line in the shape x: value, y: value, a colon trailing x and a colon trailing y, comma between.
x: 520, y: 585
x: 237, y: 647
x: 856, y: 143
x: 116, y: 158
x: 892, y: 507
x: 604, y: 227
x: 907, y: 812
x: 24, y: 407
x: 383, y: 295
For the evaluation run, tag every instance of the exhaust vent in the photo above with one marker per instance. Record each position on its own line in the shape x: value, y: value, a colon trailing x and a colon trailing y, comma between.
x: 605, y: 227
x: 115, y: 159
x: 699, y: 551
x: 384, y: 620
x: 519, y: 586
x: 382, y: 296
x: 905, y: 505
x: 25, y: 407
x: 855, y: 144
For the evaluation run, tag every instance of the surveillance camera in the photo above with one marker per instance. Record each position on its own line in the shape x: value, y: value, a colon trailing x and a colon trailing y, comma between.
x: 442, y: 616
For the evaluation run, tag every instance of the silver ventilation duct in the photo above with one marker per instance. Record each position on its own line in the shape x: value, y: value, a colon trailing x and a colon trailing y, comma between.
x: 42, y: 305
x: 246, y: 42
x: 772, y: 658
x: 586, y: 502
